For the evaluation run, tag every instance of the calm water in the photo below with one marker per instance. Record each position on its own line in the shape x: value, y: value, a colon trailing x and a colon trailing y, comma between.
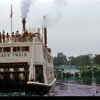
x: 71, y: 86
x: 80, y: 86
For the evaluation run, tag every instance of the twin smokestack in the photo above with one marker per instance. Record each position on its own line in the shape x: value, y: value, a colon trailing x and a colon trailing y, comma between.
x: 45, y: 31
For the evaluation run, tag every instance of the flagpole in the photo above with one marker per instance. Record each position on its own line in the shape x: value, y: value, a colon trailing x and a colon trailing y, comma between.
x: 11, y: 23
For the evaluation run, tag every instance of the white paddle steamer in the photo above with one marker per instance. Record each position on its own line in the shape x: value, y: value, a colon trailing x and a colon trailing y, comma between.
x: 25, y: 58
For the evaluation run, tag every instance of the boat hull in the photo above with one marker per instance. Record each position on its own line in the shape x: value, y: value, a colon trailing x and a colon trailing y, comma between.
x: 39, y: 88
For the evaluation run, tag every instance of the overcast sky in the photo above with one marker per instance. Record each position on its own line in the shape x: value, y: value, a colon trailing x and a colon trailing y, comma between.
x: 73, y: 28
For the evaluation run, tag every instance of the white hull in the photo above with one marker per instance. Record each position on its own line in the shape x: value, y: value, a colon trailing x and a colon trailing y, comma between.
x: 40, y: 87
x: 41, y: 84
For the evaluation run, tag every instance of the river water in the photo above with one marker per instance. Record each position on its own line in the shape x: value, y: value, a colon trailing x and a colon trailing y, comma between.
x: 76, y: 87
x: 71, y: 86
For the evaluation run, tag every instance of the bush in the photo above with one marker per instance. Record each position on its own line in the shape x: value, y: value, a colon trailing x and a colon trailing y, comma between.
x: 69, y: 75
x: 79, y: 67
x: 86, y: 73
x: 96, y: 73
x: 76, y: 74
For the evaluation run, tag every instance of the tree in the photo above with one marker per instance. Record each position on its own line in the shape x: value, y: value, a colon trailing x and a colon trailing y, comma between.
x: 73, y: 60
x: 61, y: 59
x: 97, y: 59
x: 83, y: 60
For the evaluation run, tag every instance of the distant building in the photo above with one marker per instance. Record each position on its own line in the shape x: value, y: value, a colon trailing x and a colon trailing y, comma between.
x: 66, y: 69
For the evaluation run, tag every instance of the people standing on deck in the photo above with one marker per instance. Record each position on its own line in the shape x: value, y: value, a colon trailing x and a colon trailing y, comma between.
x: 25, y: 34
x: 13, y: 37
x: 7, y: 36
x: 3, y: 35
x: 17, y: 35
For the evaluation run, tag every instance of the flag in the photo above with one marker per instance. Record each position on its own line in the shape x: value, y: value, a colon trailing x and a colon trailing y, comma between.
x: 11, y: 12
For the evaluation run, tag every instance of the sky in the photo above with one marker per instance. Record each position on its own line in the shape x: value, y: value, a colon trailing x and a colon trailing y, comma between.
x: 73, y: 27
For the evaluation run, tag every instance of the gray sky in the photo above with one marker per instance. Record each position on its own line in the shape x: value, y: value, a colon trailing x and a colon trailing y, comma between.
x: 74, y: 28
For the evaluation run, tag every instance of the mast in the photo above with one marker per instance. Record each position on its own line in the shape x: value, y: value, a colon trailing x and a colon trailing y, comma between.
x: 11, y: 22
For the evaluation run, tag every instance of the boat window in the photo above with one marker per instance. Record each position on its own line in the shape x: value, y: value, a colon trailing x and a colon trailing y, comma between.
x: 0, y: 49
x: 15, y: 49
x: 6, y: 49
x: 25, y: 48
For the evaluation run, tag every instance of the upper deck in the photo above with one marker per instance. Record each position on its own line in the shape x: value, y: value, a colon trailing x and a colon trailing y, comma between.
x: 20, y: 38
x: 18, y: 47
x: 29, y: 46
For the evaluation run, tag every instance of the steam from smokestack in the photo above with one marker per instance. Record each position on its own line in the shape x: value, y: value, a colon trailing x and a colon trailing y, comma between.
x: 55, y: 14
x: 45, y: 21
x: 52, y: 17
x: 60, y: 2
x: 25, y: 5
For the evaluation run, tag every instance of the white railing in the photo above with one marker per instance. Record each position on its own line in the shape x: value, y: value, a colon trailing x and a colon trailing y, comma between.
x: 21, y: 38
x: 14, y: 54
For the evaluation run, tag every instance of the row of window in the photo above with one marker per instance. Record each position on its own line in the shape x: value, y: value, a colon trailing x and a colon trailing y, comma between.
x: 15, y: 49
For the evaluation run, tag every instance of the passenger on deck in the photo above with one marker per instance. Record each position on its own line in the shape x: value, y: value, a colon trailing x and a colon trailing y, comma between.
x: 33, y: 35
x: 3, y: 35
x: 30, y: 34
x: 26, y: 34
x: 7, y: 36
x: 30, y: 37
x: 17, y: 36
x: 17, y: 33
x: 13, y: 36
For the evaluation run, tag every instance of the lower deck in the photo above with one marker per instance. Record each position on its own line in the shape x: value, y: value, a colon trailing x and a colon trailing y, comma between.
x: 13, y: 74
x: 18, y: 73
x: 14, y: 77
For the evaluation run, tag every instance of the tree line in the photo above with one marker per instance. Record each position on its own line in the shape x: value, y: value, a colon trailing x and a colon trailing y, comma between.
x: 82, y: 60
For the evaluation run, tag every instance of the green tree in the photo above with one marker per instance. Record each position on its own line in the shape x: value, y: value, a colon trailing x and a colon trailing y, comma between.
x: 83, y: 60
x: 61, y: 59
x: 97, y: 59
x: 73, y: 60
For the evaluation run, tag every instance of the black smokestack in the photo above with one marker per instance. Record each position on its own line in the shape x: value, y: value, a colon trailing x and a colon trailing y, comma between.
x: 45, y: 36
x: 24, y: 22
x: 45, y: 30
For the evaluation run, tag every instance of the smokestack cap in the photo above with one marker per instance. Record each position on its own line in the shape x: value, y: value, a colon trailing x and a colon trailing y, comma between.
x: 23, y: 21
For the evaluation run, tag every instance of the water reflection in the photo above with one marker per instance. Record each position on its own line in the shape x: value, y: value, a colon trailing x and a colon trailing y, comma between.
x: 86, y: 80
x: 97, y: 79
x: 69, y: 86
